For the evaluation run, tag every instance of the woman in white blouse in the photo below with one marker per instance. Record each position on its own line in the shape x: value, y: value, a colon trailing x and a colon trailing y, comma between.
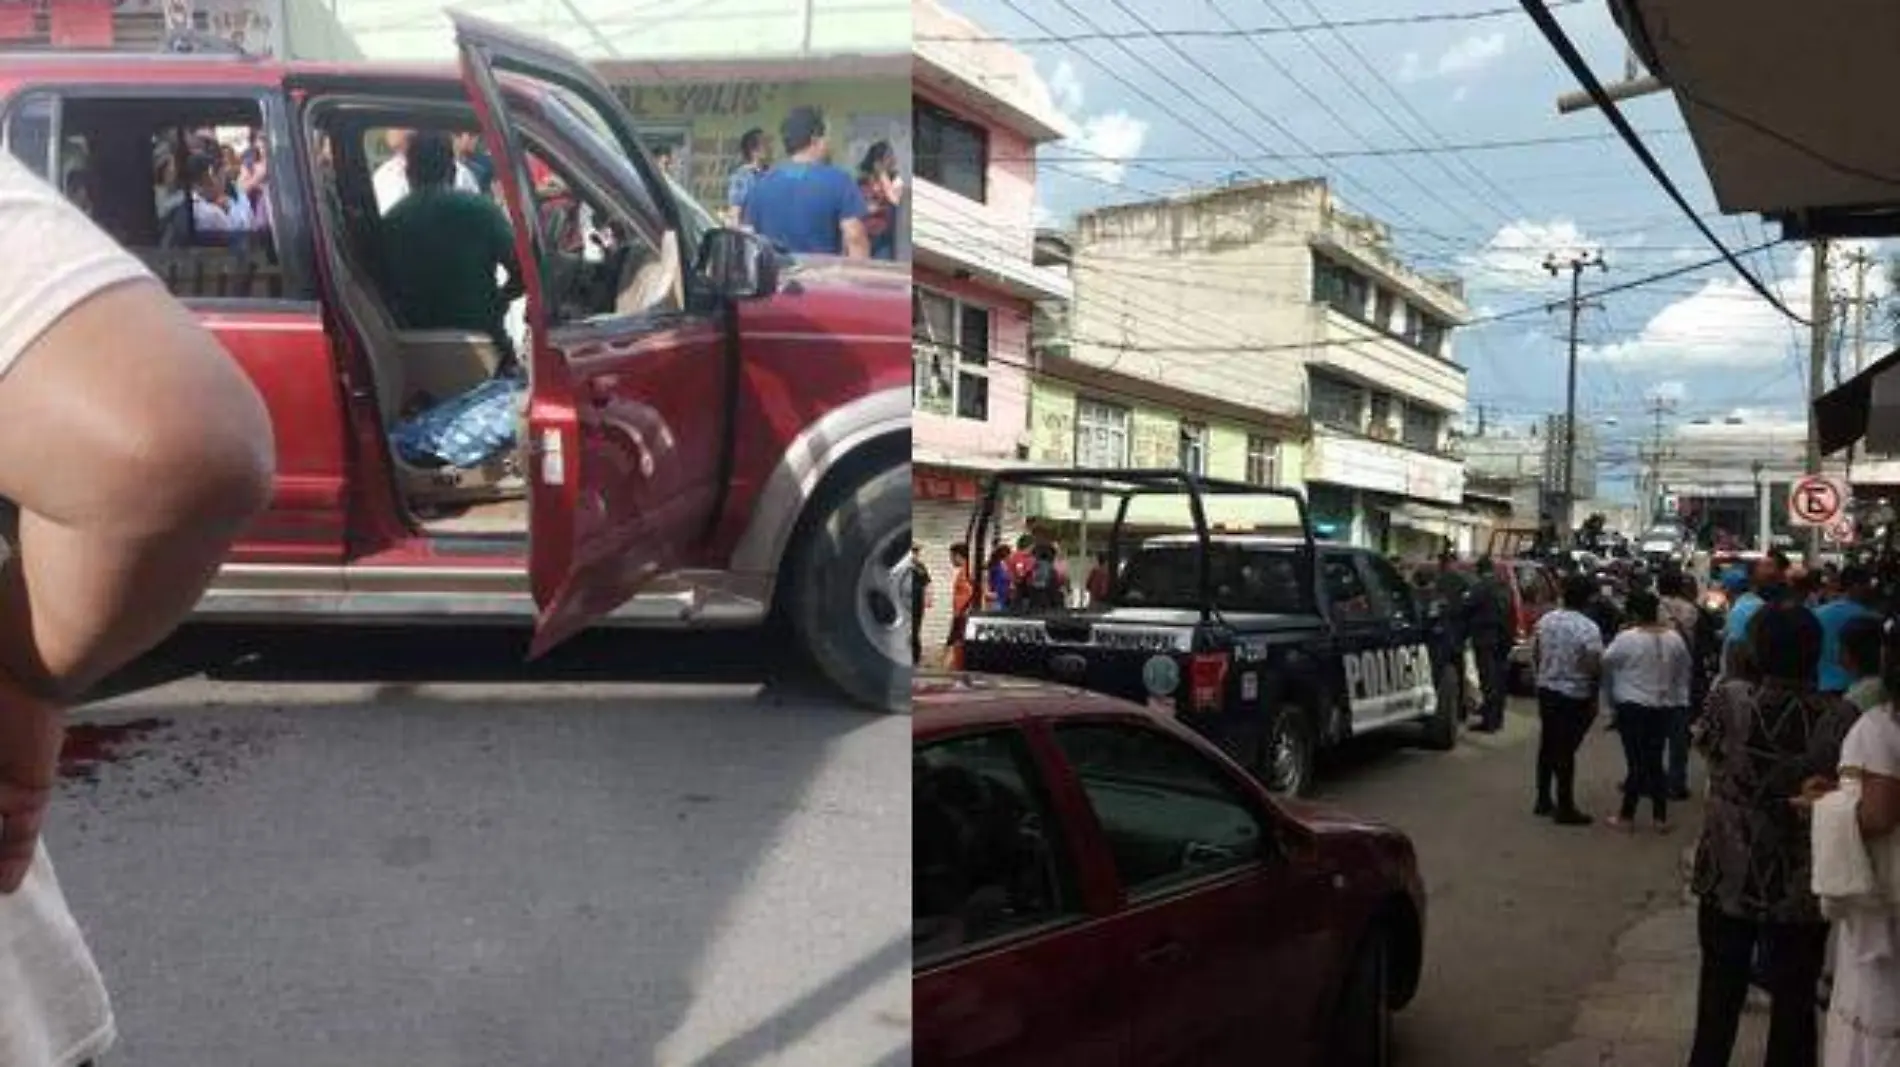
x: 1646, y: 670
x: 1863, y: 1017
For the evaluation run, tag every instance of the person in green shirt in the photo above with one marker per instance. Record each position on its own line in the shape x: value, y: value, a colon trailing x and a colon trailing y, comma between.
x: 441, y: 248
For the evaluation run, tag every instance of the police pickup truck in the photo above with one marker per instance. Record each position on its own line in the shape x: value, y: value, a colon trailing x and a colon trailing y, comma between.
x: 1266, y: 641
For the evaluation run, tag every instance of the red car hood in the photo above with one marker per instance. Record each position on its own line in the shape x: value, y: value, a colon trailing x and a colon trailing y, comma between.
x: 1325, y: 819
x: 828, y: 273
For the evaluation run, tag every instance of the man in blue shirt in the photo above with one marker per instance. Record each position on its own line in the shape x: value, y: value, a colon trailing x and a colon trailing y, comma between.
x: 1766, y: 585
x: 752, y: 163
x: 1856, y: 602
x: 804, y: 204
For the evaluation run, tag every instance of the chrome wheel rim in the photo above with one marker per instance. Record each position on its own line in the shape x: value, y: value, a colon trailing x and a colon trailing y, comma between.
x: 883, y: 618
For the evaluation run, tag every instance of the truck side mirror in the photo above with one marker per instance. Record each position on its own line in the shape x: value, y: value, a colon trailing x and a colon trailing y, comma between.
x: 738, y: 264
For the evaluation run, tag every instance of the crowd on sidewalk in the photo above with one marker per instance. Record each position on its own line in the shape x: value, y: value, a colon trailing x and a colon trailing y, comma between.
x: 1786, y: 699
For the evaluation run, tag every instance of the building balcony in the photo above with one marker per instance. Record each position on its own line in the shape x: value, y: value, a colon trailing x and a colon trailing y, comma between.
x: 964, y: 239
x: 1360, y: 352
x: 1275, y: 514
x: 1340, y: 458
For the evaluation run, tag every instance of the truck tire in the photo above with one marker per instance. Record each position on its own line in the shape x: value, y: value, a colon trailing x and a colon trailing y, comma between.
x: 1441, y: 730
x: 1289, y: 753
x: 843, y: 606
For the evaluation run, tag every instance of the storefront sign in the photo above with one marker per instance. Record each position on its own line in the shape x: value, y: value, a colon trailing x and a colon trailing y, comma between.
x: 938, y: 486
x: 694, y: 101
x: 1384, y: 468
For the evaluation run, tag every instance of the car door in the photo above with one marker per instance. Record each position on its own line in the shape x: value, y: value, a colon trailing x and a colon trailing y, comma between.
x: 1222, y: 935
x: 1010, y: 970
x: 626, y: 417
x: 1361, y: 630
x: 1405, y: 651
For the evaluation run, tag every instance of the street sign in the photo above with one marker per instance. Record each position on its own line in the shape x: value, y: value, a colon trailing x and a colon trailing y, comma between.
x: 1816, y: 501
x: 1840, y: 531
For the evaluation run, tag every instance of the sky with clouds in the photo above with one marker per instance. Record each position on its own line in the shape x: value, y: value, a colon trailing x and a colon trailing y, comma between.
x: 1148, y: 116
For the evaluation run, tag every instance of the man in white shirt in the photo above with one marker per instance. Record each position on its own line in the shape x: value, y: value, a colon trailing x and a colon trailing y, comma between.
x: 136, y: 451
x: 392, y: 178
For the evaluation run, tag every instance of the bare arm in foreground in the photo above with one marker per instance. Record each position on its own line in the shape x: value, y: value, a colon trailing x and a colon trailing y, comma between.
x: 136, y: 450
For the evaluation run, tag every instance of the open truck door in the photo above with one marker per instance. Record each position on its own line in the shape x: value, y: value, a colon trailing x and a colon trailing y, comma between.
x: 627, y: 410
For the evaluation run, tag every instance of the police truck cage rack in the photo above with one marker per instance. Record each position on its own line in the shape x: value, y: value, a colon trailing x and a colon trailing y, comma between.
x: 1125, y: 485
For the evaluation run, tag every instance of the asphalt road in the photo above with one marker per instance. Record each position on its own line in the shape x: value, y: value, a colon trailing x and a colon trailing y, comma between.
x: 401, y: 849
x: 1524, y: 914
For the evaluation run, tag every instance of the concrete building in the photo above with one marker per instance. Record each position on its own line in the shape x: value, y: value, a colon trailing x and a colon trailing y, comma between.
x: 1723, y: 474
x: 1274, y: 298
x: 979, y: 112
x: 279, y: 29
x: 1083, y: 415
x: 1526, y: 464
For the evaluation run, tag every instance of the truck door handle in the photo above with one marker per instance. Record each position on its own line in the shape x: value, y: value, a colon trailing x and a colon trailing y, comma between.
x: 1169, y: 951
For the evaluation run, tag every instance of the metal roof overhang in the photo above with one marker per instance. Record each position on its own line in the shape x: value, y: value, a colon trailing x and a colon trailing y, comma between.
x: 1865, y: 407
x: 1783, y: 103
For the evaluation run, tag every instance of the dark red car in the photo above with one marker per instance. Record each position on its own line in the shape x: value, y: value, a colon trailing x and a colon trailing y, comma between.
x: 1096, y: 886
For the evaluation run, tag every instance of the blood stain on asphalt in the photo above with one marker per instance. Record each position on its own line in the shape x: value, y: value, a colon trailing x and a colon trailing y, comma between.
x: 88, y: 745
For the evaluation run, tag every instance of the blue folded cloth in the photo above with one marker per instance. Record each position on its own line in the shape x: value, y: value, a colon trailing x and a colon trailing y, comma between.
x: 466, y: 431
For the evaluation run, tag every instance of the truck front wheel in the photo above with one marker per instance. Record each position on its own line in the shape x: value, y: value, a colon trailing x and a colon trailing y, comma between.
x: 844, y: 604
x: 1290, y: 753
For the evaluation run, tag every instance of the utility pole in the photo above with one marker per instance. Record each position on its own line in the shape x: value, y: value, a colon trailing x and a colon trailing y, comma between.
x: 1575, y: 264
x: 1659, y: 408
x: 1822, y: 315
x: 1859, y: 302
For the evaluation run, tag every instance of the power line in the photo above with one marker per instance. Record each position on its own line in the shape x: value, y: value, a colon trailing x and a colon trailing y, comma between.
x: 1560, y: 41
x: 1445, y: 148
x: 1050, y: 37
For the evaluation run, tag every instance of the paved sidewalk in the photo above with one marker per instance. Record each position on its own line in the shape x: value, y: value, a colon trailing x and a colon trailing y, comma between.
x: 1643, y: 1015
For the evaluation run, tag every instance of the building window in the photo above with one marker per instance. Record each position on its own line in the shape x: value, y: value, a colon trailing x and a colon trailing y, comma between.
x: 1383, y: 305
x: 1345, y: 289
x: 1431, y: 337
x: 1101, y: 434
x: 950, y: 152
x: 1194, y: 448
x: 950, y: 354
x: 1337, y: 404
x: 1380, y: 424
x: 1422, y: 426
x: 1263, y: 460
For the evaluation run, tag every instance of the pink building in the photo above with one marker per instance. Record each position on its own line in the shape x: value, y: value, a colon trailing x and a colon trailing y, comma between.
x: 978, y: 113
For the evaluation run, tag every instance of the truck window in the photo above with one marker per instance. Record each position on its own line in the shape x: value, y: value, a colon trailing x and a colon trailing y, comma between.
x: 1245, y: 579
x: 1391, y: 597
x: 1346, y: 590
x: 177, y: 182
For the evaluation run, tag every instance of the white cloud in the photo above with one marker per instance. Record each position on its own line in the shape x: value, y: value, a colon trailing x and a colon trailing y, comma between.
x: 1065, y: 87
x: 1465, y: 57
x: 1459, y: 94
x: 1724, y: 324
x: 1513, y: 258
x: 1470, y: 55
x: 1671, y: 392
x: 1108, y: 138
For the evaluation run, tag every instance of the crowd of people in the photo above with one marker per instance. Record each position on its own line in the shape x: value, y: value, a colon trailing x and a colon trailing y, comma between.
x: 1786, y: 697
x: 804, y: 204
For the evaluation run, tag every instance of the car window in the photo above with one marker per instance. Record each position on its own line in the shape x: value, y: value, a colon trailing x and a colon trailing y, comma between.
x: 1532, y: 586
x: 1346, y: 590
x: 1390, y: 595
x: 1170, y: 814
x: 1244, y: 579
x: 180, y: 183
x: 986, y: 859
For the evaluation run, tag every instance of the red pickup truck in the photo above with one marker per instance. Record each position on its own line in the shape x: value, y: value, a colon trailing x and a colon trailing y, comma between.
x: 714, y: 433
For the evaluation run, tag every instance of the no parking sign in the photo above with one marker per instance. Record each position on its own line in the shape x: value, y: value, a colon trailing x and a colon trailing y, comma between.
x: 1816, y: 501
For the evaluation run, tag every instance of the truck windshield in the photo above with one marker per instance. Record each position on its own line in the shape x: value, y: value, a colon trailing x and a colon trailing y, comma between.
x: 1244, y: 578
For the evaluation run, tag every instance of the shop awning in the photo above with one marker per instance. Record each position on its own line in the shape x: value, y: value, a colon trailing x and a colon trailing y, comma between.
x: 1439, y: 522
x: 1866, y: 406
x: 1803, y: 146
